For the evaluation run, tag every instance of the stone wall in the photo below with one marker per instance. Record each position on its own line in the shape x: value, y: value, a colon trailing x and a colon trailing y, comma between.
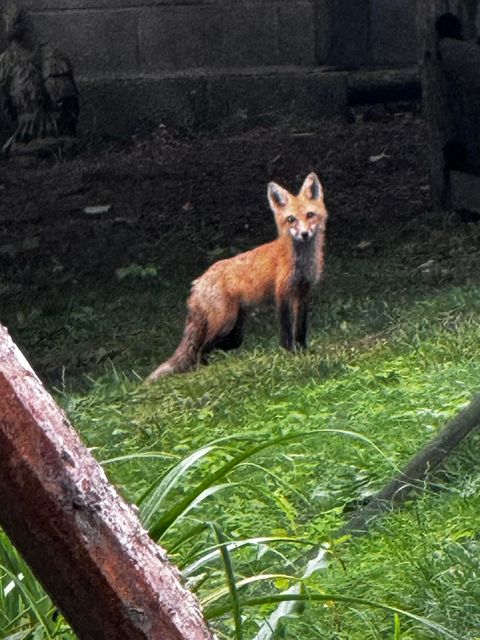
x: 194, y: 61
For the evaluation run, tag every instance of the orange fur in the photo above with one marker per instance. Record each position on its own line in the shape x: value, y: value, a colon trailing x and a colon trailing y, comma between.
x: 282, y: 269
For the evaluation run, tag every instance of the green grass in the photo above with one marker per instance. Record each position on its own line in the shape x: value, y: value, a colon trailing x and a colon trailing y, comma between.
x: 394, y: 354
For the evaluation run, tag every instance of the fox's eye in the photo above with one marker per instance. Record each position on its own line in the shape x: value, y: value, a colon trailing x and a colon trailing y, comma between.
x: 291, y: 219
x: 310, y: 214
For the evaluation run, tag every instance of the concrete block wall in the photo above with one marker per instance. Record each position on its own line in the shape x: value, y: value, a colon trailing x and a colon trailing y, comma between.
x: 371, y: 33
x: 191, y: 52
x: 131, y: 36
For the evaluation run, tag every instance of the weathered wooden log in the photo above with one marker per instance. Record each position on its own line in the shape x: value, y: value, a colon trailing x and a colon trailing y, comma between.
x: 449, y: 56
x: 461, y: 66
x: 84, y: 543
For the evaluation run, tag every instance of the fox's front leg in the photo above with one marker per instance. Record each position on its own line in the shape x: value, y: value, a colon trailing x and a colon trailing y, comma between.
x: 285, y: 315
x: 300, y: 317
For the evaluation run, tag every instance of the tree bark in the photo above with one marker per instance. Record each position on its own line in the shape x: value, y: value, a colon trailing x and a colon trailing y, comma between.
x: 84, y: 543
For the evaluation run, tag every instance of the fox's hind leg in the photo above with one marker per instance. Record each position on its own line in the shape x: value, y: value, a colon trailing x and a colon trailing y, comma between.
x: 230, y: 340
x: 233, y: 339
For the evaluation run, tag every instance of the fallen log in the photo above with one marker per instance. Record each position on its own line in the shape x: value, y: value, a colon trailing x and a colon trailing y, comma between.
x: 83, y: 542
x: 414, y: 475
x: 392, y: 496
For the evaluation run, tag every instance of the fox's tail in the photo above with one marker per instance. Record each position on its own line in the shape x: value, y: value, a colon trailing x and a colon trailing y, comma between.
x: 188, y: 352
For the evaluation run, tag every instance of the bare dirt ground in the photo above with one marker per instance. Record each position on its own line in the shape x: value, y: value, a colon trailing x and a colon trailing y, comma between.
x: 205, y: 191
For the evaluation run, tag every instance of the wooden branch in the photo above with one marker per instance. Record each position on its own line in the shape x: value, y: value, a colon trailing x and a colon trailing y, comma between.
x: 412, y: 478
x: 84, y: 543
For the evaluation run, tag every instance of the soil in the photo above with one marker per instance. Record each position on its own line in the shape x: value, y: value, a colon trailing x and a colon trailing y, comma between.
x: 180, y: 202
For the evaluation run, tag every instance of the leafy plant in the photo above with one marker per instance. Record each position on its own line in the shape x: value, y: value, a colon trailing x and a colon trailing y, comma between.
x: 26, y: 612
x: 161, y: 512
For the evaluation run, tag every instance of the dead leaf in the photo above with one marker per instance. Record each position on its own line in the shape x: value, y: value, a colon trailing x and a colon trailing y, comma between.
x: 97, y: 210
x: 380, y: 156
x: 363, y: 244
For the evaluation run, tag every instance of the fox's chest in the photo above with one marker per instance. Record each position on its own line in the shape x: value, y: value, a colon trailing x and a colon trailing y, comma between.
x: 305, y: 264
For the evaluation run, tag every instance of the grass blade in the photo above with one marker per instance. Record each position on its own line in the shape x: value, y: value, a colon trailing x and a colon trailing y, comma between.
x: 212, y: 553
x: 218, y: 610
x: 397, y: 630
x: 153, y: 455
x: 228, y: 565
x: 156, y: 496
x: 157, y: 527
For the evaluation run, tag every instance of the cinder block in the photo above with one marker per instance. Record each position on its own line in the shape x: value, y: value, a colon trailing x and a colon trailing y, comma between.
x: 51, y: 5
x: 244, y: 34
x: 175, y: 37
x: 249, y: 33
x: 296, y: 33
x: 393, y: 32
x: 122, y: 106
x: 119, y: 107
x: 96, y: 42
x: 349, y: 42
x: 323, y: 11
x: 193, y: 62
x: 313, y: 94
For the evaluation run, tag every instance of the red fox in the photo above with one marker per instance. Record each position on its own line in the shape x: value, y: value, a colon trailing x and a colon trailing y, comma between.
x: 284, y: 268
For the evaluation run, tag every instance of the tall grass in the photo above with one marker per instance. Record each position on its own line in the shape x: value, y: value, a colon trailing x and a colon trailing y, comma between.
x: 26, y: 612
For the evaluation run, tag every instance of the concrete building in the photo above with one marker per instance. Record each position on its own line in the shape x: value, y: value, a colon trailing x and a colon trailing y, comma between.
x: 194, y: 62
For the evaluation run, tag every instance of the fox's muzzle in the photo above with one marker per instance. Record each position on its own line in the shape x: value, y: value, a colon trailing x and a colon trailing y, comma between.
x: 303, y: 234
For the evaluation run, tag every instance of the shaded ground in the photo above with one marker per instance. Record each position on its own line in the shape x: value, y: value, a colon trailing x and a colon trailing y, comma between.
x: 178, y: 204
x: 213, y: 187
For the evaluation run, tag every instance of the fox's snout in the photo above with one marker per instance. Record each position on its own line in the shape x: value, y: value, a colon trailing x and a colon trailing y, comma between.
x: 302, y: 233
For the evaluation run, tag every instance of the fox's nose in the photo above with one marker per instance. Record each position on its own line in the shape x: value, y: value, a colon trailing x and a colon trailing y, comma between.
x: 304, y: 235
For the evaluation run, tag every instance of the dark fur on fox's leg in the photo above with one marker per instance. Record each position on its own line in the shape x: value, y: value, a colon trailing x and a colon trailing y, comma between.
x: 225, y: 343
x: 233, y: 339
x: 286, y: 324
x: 301, y: 324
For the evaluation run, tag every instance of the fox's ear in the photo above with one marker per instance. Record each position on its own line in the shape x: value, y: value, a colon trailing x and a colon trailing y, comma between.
x: 312, y: 187
x: 277, y: 196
